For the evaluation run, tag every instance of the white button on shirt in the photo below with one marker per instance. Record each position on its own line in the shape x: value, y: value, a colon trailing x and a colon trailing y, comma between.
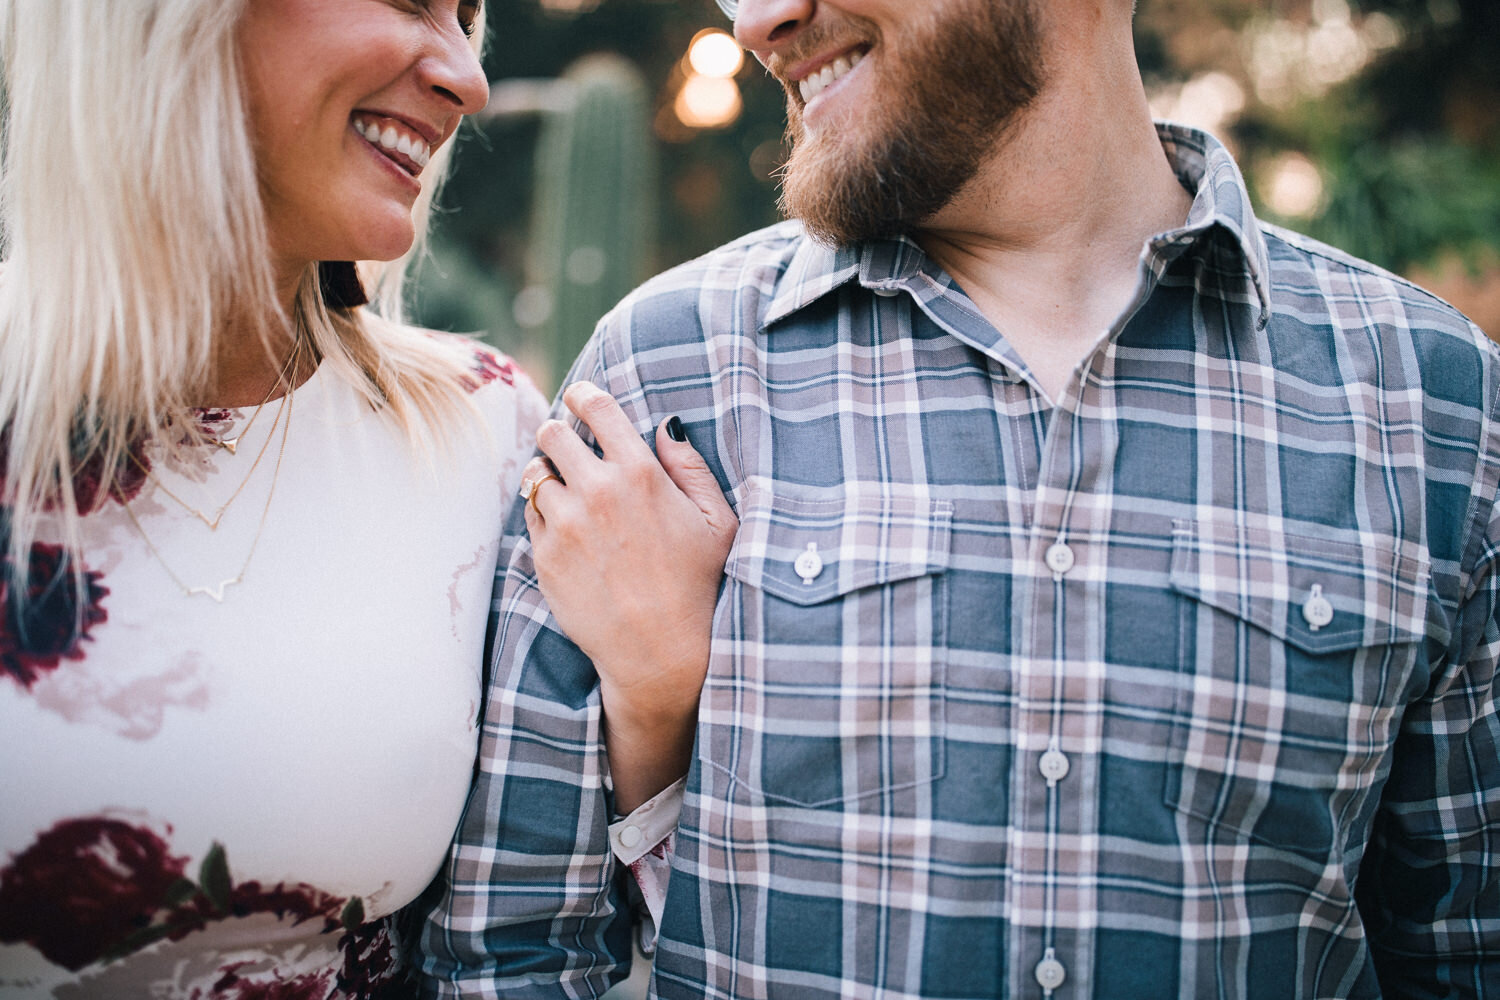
x: 1317, y: 612
x: 809, y: 564
x: 1059, y: 558
x: 1050, y: 972
x: 1054, y: 766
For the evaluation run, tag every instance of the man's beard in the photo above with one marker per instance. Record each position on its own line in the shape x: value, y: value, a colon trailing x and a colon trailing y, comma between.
x: 950, y: 87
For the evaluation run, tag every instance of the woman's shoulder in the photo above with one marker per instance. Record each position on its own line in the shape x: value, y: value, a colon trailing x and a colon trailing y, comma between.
x: 495, y: 382
x: 482, y: 364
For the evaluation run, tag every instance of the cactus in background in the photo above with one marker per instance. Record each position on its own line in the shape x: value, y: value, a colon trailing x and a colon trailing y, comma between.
x: 595, y: 203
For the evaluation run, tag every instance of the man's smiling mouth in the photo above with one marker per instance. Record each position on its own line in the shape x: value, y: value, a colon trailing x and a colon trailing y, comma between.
x: 815, y: 83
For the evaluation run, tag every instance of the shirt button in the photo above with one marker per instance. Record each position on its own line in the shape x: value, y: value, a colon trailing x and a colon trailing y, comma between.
x: 1050, y: 972
x: 809, y: 564
x: 1054, y: 766
x: 887, y: 293
x: 630, y: 836
x: 1059, y: 558
x: 1317, y: 611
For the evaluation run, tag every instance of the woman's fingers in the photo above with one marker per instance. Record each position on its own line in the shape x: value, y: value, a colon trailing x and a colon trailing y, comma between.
x: 694, y: 478
x: 610, y: 426
x: 534, y: 471
x: 573, y: 459
x: 537, y: 479
x: 617, y: 437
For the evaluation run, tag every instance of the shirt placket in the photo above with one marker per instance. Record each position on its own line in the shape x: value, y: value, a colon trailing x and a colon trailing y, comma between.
x: 1058, y: 719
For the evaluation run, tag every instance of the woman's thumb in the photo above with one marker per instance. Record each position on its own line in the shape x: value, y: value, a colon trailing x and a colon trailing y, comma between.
x: 692, y: 475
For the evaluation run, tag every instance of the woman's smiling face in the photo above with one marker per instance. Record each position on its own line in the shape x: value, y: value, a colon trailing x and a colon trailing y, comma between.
x: 347, y: 100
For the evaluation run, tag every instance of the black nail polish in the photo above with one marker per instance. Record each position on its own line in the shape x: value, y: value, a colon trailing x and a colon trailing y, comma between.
x: 675, y: 431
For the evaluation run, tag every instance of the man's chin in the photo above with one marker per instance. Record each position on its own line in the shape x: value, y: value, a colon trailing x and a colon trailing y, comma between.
x: 827, y: 186
x: 828, y: 218
x: 840, y: 204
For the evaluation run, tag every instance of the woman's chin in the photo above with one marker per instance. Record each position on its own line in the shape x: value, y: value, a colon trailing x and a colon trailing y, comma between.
x: 388, y: 245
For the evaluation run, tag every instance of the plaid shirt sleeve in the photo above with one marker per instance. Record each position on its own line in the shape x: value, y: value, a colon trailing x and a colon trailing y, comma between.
x: 530, y: 902
x: 1429, y: 889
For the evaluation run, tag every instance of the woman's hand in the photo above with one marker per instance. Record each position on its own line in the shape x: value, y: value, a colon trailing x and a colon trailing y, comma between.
x: 630, y: 553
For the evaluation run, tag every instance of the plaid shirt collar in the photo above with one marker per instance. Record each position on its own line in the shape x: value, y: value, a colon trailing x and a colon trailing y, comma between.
x: 1221, y: 205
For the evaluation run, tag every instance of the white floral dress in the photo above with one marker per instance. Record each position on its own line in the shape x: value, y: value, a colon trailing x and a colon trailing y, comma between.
x: 204, y: 798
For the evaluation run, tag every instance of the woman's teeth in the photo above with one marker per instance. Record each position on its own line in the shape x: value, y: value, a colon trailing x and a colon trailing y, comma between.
x: 414, y: 148
x: 818, y: 82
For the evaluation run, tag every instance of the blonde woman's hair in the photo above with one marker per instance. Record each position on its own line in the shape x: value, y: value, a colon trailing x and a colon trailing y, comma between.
x: 132, y: 232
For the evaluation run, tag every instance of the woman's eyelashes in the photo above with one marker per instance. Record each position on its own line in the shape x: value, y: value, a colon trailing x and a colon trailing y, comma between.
x: 466, y: 12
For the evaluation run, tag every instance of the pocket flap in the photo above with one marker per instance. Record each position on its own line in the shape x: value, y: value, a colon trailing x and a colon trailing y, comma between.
x: 1320, y: 595
x: 809, y: 550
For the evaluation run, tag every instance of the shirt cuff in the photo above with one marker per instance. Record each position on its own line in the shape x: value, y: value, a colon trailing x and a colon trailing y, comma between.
x: 648, y: 825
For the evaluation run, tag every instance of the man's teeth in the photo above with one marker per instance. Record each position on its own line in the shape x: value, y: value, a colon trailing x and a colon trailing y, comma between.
x: 412, y: 147
x: 818, y: 82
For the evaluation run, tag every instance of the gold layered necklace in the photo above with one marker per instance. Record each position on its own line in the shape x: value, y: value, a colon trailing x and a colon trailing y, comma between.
x: 218, y: 515
x: 217, y: 591
x: 232, y: 445
x: 284, y: 378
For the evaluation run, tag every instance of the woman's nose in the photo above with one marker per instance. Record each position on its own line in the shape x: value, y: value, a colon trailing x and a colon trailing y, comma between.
x: 453, y: 71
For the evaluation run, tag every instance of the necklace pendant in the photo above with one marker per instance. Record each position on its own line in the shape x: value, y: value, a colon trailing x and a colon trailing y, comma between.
x: 228, y: 444
x: 217, y: 593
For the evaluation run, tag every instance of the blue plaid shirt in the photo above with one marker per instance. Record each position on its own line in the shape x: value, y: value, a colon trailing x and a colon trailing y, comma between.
x: 1181, y: 684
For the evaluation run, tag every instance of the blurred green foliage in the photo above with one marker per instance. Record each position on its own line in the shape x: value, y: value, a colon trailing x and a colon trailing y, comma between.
x: 594, y: 210
x: 1394, y: 104
x: 1407, y: 201
x: 1404, y: 134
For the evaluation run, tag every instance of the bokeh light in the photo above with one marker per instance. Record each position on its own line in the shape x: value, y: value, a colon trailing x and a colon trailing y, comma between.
x: 715, y: 53
x: 708, y: 102
x: 1293, y: 187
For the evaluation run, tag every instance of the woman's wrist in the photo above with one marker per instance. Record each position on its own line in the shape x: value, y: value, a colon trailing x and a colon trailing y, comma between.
x: 649, y: 747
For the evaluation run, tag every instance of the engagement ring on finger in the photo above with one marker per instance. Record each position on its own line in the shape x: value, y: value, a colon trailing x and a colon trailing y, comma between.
x: 529, y: 487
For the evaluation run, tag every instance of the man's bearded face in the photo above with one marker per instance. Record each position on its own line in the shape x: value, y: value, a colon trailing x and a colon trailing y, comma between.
x: 890, y: 150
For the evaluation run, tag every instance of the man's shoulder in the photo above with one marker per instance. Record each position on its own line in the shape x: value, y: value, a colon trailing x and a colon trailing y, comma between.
x: 1304, y: 270
x: 1392, y: 330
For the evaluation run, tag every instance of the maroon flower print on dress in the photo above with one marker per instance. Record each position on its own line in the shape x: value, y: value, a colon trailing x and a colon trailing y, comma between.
x: 89, y: 477
x: 215, y: 897
x: 488, y: 366
x: 300, y: 902
x: 214, y: 421
x: 98, y: 889
x: 89, y: 481
x: 85, y: 887
x: 373, y: 968
x: 313, y: 986
x: 37, y: 634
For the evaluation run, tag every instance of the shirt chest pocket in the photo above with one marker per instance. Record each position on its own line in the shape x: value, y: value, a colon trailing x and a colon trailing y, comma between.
x: 826, y: 681
x: 1297, y: 655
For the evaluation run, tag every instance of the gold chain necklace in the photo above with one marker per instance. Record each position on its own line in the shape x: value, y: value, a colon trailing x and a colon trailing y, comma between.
x: 217, y: 592
x: 290, y: 368
x: 232, y: 444
x: 213, y: 522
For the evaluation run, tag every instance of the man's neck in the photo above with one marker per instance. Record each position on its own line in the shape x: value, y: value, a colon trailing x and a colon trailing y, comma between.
x: 1046, y: 239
